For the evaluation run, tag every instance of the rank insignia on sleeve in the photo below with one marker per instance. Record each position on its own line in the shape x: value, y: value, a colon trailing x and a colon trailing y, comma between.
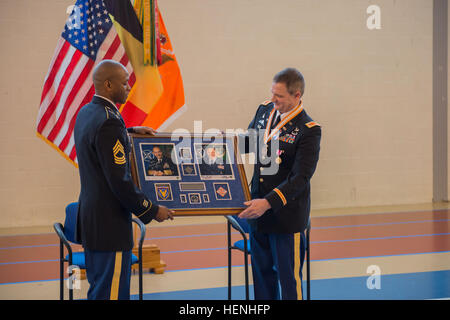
x: 119, y: 153
x: 311, y: 124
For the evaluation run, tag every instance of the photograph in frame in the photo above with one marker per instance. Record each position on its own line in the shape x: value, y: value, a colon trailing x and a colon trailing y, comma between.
x: 172, y: 172
x: 213, y: 161
x: 159, y: 161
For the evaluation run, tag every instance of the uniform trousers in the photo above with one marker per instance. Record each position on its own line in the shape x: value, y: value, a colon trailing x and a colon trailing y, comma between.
x: 108, y: 274
x: 277, y: 261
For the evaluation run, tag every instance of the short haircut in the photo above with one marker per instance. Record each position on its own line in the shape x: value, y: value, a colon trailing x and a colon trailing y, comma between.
x: 293, y: 80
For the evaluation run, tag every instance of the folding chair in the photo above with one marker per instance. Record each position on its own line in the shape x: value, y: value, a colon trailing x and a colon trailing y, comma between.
x: 66, y: 236
x: 243, y: 245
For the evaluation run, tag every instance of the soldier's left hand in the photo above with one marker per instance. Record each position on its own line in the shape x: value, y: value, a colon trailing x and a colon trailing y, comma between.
x: 144, y: 130
x: 255, y: 209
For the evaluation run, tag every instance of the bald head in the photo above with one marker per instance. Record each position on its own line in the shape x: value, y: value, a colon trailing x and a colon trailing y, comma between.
x: 111, y: 80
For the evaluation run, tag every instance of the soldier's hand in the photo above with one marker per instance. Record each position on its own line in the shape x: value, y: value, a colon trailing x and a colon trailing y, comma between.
x: 144, y: 130
x: 163, y: 214
x: 255, y: 209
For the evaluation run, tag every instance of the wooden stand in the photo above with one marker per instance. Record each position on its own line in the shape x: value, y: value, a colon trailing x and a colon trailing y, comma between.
x: 83, y: 274
x: 151, y: 255
x: 151, y: 259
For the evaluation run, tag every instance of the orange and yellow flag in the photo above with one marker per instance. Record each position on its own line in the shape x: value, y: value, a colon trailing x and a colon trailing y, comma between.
x: 157, y: 96
x: 171, y: 102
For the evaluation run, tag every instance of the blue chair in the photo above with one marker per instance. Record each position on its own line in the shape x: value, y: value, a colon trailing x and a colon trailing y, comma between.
x: 243, y: 245
x: 66, y: 236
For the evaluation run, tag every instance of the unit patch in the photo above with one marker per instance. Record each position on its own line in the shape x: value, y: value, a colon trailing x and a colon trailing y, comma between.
x: 222, y: 191
x: 194, y: 198
x: 163, y: 192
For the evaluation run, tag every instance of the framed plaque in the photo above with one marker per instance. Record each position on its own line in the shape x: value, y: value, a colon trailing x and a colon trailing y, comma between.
x: 190, y: 174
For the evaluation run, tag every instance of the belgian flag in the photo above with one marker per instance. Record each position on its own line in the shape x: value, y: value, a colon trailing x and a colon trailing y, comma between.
x: 157, y: 95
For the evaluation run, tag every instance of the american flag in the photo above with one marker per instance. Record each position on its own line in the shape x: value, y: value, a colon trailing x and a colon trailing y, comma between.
x: 88, y: 37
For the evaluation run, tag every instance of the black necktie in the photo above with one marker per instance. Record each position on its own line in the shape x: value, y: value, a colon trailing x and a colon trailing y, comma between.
x: 277, y: 120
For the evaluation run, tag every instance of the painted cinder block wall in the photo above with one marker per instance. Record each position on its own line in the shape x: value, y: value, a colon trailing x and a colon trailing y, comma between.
x: 371, y: 90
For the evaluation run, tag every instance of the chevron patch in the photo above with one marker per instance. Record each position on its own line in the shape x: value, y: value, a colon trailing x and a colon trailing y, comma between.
x: 119, y: 153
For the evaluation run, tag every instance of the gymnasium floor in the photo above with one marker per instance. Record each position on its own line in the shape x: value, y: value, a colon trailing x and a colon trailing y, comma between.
x: 409, y: 246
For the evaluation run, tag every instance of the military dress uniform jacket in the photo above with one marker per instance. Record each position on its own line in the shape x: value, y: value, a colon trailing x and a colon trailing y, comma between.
x: 166, y: 166
x: 108, y: 195
x: 214, y: 167
x: 288, y: 190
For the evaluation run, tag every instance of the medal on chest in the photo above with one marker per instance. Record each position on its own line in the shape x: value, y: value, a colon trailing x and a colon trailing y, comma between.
x: 278, y: 159
x: 274, y: 133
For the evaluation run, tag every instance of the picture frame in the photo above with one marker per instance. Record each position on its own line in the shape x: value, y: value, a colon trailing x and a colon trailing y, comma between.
x: 192, y: 174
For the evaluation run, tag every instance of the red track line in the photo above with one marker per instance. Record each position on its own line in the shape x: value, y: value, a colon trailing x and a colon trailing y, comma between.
x: 331, y: 248
x: 374, y: 218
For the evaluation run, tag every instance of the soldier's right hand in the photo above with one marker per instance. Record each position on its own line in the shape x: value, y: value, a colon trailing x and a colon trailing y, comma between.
x: 163, y: 214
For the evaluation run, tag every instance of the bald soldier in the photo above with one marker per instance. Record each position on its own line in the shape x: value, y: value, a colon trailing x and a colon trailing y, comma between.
x: 108, y: 195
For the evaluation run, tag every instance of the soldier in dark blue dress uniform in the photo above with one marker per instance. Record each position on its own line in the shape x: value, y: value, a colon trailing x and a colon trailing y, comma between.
x: 108, y: 195
x: 279, y: 212
x: 211, y: 164
x: 161, y: 165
